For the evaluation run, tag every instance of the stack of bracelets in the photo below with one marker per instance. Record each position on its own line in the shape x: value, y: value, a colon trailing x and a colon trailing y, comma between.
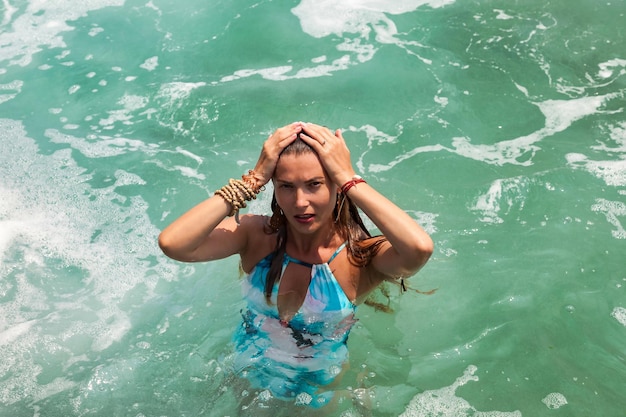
x: 237, y: 192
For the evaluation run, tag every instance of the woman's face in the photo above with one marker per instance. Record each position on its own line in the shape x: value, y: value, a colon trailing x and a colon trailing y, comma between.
x: 304, y: 192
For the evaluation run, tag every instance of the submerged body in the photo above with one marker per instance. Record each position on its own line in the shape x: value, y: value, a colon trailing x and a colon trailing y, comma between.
x: 294, y: 359
x: 308, y: 265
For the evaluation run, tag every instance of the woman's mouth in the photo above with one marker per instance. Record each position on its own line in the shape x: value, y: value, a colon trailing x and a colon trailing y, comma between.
x: 304, y: 218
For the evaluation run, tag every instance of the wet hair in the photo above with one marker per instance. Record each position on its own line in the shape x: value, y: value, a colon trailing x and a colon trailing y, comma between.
x: 360, y: 244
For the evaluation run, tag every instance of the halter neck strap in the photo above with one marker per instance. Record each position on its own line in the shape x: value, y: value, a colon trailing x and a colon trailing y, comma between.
x: 308, y: 265
x: 339, y: 249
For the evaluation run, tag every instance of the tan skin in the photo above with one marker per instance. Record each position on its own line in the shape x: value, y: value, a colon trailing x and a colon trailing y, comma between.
x: 306, y: 189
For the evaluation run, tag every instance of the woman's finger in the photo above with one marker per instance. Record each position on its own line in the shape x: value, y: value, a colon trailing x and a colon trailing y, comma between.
x: 320, y: 134
x: 273, y: 146
x: 285, y: 135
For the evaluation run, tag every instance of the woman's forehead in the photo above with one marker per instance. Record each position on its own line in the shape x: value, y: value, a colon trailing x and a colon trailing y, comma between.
x: 303, y: 165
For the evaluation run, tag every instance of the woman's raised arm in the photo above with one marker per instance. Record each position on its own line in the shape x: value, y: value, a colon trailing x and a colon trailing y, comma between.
x: 205, y: 233
x: 409, y: 246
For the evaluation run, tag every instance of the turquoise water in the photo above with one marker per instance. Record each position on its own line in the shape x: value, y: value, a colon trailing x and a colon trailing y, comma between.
x: 499, y: 125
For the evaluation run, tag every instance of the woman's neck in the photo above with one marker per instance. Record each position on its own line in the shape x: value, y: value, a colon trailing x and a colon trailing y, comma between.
x: 310, y: 245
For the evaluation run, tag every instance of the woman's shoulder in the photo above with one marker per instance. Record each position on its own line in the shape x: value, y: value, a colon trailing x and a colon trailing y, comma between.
x: 260, y: 240
x: 254, y: 221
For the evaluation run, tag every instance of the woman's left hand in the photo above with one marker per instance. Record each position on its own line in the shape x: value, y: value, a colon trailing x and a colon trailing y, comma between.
x: 332, y: 150
x: 273, y: 146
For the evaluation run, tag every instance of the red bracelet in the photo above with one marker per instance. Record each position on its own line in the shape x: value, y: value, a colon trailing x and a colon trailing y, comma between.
x: 354, y: 181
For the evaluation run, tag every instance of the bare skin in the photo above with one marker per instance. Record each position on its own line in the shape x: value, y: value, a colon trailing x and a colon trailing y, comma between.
x: 306, y: 190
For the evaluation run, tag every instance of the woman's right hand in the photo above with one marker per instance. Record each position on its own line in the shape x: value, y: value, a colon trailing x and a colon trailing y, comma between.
x: 273, y: 146
x: 204, y: 232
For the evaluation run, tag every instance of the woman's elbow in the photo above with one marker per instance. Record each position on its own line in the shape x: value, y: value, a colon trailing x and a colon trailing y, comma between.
x: 167, y: 245
x: 426, y: 248
x: 422, y: 252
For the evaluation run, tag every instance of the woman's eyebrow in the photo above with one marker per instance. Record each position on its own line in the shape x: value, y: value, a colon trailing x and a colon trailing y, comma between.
x: 283, y: 181
x: 320, y: 178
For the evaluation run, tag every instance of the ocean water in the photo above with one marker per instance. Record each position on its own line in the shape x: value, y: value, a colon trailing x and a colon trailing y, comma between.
x: 499, y: 125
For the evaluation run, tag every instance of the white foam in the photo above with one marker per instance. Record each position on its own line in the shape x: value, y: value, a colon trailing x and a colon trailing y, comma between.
x: 374, y: 137
x: 40, y: 25
x: 57, y: 386
x: 405, y: 156
x: 116, y: 327
x: 191, y: 155
x: 128, y: 104
x: 100, y: 146
x: 178, y: 91
x: 611, y: 172
x: 95, y: 31
x: 103, y: 147
x: 613, y: 210
x: 190, y: 172
x: 14, y: 88
x: 554, y: 400
x: 608, y: 68
x: 359, y: 18
x: 426, y: 220
x: 52, y: 219
x: 326, y: 17
x: 172, y: 98
x: 274, y: 73
x: 123, y: 178
x: 444, y: 402
x: 9, y: 10
x: 502, y: 15
x: 503, y: 196
x: 9, y: 335
x: 559, y: 114
x: 131, y: 102
x: 617, y: 137
x: 619, y: 314
x: 353, y: 22
x: 150, y: 64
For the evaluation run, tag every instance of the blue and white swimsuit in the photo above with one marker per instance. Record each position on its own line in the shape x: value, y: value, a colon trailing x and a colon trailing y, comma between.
x: 294, y: 360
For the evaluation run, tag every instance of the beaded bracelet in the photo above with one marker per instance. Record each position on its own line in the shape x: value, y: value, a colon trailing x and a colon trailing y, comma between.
x: 354, y: 181
x: 237, y: 192
x: 252, y: 179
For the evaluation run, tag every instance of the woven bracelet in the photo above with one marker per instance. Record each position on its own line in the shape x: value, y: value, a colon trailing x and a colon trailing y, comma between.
x: 354, y: 181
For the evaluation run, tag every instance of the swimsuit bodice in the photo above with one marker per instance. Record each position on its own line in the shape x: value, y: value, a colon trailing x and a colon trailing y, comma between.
x: 308, y: 351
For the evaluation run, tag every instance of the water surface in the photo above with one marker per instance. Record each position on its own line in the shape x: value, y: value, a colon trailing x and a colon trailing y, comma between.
x: 499, y: 125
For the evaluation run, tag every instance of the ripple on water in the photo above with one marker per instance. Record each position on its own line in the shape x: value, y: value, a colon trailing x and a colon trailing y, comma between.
x: 444, y: 402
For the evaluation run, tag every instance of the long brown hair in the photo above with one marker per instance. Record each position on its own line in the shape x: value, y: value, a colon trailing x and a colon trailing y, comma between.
x: 360, y: 244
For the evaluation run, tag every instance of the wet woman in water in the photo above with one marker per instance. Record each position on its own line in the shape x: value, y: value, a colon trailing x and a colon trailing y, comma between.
x: 308, y: 265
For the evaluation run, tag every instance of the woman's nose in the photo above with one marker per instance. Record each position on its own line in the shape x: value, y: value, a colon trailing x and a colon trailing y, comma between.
x: 301, y: 198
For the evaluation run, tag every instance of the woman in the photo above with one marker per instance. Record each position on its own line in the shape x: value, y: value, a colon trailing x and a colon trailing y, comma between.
x: 308, y: 265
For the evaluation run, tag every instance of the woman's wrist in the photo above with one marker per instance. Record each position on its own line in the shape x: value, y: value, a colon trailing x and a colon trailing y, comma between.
x: 254, y: 180
x: 238, y: 192
x: 346, y: 186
